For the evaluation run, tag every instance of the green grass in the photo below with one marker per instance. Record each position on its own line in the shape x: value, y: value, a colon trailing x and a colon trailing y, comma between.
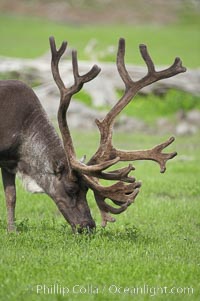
x: 151, y: 107
x: 154, y: 243
x: 28, y: 37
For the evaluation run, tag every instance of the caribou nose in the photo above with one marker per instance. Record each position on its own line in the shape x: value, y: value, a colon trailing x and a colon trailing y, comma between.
x: 86, y: 227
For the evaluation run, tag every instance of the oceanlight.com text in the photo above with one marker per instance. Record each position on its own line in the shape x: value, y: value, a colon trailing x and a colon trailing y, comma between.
x: 111, y: 289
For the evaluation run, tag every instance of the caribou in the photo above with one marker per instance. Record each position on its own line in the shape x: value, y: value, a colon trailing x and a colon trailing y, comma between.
x: 31, y: 147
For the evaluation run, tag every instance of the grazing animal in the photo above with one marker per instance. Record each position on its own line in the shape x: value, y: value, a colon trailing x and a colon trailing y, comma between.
x: 30, y: 146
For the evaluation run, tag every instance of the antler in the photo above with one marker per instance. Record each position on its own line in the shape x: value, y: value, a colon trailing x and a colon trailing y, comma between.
x: 106, y: 150
x: 120, y: 193
x: 67, y: 93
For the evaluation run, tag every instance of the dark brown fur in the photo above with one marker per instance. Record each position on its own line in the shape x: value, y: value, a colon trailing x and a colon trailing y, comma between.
x: 30, y: 146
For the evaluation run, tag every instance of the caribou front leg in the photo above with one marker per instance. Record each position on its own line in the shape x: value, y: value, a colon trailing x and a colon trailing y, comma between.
x: 10, y: 195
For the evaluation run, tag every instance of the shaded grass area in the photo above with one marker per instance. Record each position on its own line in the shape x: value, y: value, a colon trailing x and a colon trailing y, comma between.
x: 154, y: 243
x: 28, y: 37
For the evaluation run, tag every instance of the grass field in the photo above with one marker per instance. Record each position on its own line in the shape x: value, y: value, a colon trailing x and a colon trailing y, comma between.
x: 28, y: 37
x: 155, y: 244
x: 152, y: 251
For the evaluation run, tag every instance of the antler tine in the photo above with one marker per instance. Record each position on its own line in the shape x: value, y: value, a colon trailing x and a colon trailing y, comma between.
x: 56, y: 55
x: 146, y: 57
x: 75, y: 66
x: 121, y: 174
x: 79, y: 80
x: 105, y: 208
x: 119, y: 191
x: 154, y: 75
x: 93, y: 169
x: 154, y: 154
x: 121, y: 64
x: 96, y: 171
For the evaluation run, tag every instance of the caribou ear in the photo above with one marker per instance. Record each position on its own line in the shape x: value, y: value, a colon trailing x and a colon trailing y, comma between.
x: 58, y: 168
